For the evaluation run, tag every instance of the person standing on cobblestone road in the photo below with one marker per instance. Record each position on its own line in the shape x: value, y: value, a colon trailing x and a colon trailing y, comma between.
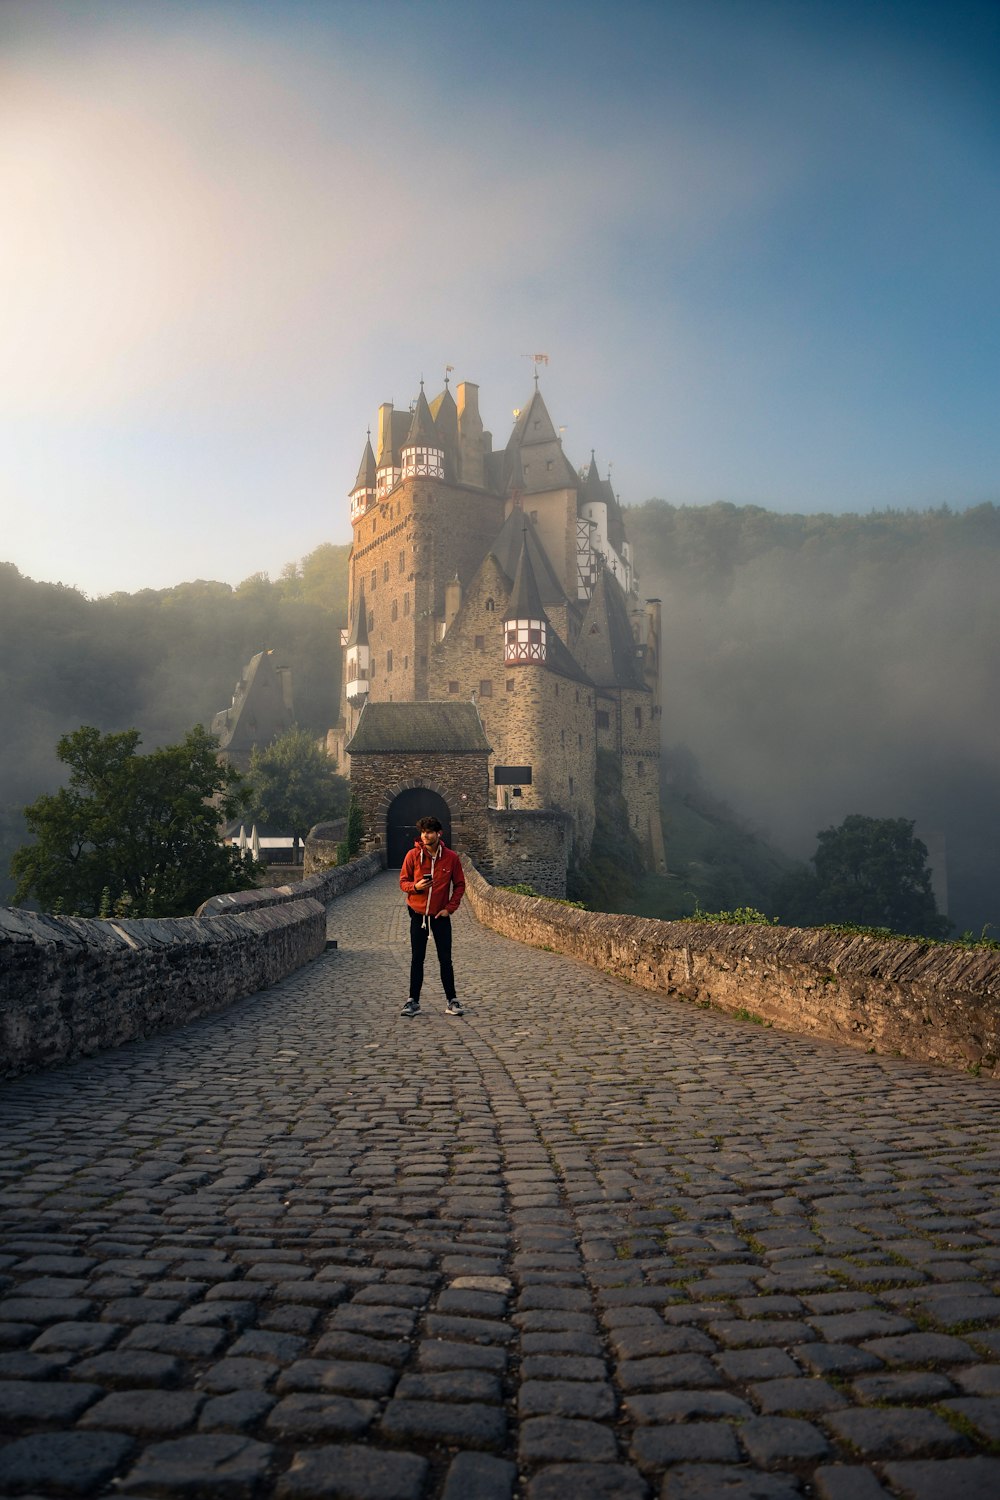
x: 434, y: 882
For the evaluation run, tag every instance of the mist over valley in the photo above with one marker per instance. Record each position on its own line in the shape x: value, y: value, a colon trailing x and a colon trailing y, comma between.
x: 813, y: 666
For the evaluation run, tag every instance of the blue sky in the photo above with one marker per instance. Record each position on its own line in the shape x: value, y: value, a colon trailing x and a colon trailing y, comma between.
x: 758, y: 240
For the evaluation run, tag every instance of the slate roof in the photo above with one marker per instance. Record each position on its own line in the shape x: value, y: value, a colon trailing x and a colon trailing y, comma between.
x: 426, y: 728
x: 366, y: 470
x: 359, y: 625
x: 607, y: 646
x: 519, y: 531
x: 422, y: 429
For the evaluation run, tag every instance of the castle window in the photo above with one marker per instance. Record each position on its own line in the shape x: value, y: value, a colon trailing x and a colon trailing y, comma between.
x: 480, y: 643
x: 402, y: 562
x: 371, y: 621
x: 579, y: 742
x: 385, y: 572
x: 562, y: 736
x: 557, y: 689
x: 578, y: 695
x: 524, y: 640
x: 571, y: 786
x: 374, y: 577
x: 640, y: 769
x: 453, y: 687
x: 395, y: 609
x: 388, y: 661
x: 406, y: 604
x: 603, y: 719
x: 490, y: 606
x: 638, y: 718
x: 486, y: 687
x: 510, y: 684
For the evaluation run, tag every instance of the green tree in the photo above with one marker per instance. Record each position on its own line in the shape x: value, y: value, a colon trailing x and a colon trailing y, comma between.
x: 355, y: 830
x: 295, y: 784
x: 871, y: 872
x: 134, y: 832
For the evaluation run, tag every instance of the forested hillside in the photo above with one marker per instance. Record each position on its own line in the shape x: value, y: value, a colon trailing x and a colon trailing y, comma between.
x: 818, y: 666
x: 159, y: 661
x: 814, y: 666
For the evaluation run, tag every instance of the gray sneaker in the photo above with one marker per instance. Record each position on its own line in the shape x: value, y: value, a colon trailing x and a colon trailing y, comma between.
x: 411, y: 1008
x: 454, y: 1008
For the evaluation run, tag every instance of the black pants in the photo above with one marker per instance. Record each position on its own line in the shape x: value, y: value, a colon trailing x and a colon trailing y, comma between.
x: 441, y: 928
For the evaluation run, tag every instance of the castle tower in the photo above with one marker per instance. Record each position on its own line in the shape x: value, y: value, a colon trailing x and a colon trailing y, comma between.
x: 363, y: 493
x: 357, y: 663
x: 539, y: 477
x: 387, y: 471
x: 525, y: 623
x: 422, y: 456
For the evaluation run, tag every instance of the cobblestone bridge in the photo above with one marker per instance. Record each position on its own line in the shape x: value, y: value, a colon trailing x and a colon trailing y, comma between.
x: 582, y: 1242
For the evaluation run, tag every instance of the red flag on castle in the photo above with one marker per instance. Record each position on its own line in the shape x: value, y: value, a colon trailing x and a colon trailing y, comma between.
x: 540, y: 359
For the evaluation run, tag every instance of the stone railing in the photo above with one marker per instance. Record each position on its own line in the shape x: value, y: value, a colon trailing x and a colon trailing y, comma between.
x: 70, y: 986
x: 928, y: 1002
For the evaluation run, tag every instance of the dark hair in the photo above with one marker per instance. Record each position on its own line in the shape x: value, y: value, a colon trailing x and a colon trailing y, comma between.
x: 428, y: 825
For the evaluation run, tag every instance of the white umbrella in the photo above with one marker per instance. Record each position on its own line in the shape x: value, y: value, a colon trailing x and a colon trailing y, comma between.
x: 254, y: 843
x: 242, y: 841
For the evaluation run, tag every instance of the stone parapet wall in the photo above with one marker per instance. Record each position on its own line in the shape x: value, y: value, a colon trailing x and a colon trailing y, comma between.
x: 530, y: 848
x: 70, y: 986
x: 325, y: 886
x: 927, y: 1002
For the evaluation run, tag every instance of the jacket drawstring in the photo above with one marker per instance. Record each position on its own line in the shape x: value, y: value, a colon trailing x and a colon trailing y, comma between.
x: 430, y: 889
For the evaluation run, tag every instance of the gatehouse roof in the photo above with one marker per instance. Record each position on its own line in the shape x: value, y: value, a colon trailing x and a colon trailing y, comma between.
x: 432, y: 728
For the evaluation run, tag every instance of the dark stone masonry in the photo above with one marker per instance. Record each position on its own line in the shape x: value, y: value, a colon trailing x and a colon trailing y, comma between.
x: 586, y: 1241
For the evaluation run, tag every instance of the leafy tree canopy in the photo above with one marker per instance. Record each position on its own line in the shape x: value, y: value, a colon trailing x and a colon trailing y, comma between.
x: 136, y: 833
x: 870, y: 872
x: 295, y: 784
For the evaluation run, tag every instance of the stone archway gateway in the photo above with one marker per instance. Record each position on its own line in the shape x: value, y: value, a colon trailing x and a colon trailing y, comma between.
x: 401, y: 821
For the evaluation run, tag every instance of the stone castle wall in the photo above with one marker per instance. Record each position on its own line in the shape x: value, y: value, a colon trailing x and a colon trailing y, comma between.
x: 928, y: 1002
x: 70, y: 986
x: 530, y: 848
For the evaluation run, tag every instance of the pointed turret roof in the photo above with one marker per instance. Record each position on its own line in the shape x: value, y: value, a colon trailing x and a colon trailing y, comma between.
x: 366, y: 469
x: 525, y: 600
x: 593, y: 484
x: 445, y: 413
x: 359, y: 625
x: 423, y: 432
x: 519, y: 531
x: 606, y: 646
x: 526, y: 604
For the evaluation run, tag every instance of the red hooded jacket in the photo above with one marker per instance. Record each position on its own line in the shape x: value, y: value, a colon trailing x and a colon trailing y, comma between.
x: 447, y: 884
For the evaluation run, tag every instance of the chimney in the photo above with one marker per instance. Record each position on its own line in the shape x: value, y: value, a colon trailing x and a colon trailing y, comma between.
x: 384, y: 455
x: 470, y: 435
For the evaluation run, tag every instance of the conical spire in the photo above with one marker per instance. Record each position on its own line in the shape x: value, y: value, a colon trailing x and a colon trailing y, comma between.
x: 422, y: 433
x: 359, y: 625
x: 525, y: 599
x: 366, y: 469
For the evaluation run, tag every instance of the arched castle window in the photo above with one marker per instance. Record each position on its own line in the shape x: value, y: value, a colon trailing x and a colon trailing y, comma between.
x: 490, y: 606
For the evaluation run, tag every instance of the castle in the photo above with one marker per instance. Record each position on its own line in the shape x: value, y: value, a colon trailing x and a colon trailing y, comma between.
x: 496, y: 642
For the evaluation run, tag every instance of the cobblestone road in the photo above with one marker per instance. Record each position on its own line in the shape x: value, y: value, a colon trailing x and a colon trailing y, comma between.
x: 583, y: 1242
